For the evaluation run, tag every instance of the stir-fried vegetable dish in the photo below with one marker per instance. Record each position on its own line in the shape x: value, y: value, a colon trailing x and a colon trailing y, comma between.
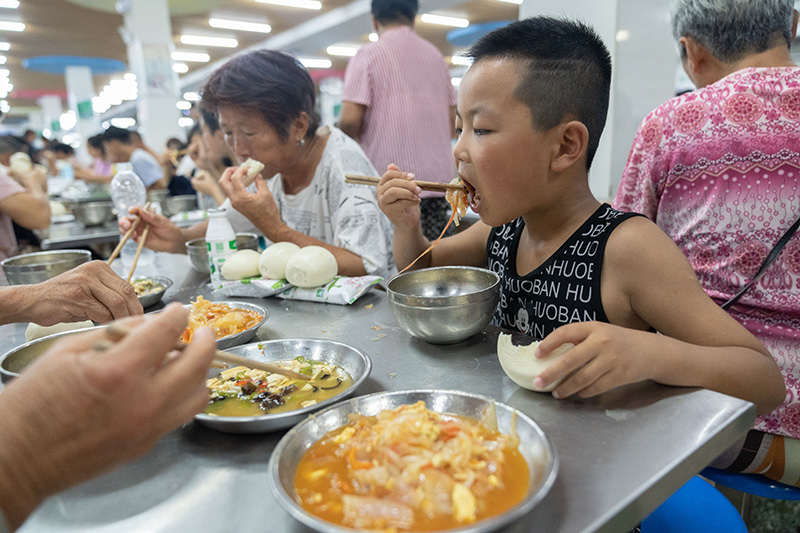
x: 221, y: 318
x: 146, y: 286
x: 410, y: 469
x: 242, y: 391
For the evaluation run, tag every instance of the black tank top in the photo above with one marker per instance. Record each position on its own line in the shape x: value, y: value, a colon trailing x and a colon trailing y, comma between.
x: 563, y: 289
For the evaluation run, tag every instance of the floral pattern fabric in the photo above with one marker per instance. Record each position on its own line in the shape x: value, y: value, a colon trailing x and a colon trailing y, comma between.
x: 718, y: 170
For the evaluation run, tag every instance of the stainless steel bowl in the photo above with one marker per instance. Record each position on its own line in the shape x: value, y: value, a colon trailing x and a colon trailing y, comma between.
x: 444, y: 305
x: 94, y: 213
x: 178, y: 204
x: 41, y: 266
x: 353, y: 361
x: 534, y: 446
x: 240, y: 338
x: 154, y: 297
x: 198, y: 250
x: 16, y: 360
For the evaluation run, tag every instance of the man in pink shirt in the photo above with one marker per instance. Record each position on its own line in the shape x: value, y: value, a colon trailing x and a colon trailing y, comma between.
x: 399, y: 105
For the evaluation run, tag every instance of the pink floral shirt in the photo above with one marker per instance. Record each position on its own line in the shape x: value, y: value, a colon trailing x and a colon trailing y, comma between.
x: 718, y: 170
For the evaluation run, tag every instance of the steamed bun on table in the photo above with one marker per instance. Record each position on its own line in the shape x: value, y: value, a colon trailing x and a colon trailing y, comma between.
x: 521, y: 364
x: 272, y: 264
x: 311, y: 266
x: 240, y: 265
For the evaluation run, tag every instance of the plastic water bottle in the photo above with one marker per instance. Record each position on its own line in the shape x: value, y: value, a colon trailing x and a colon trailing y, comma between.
x: 220, y: 242
x: 128, y: 190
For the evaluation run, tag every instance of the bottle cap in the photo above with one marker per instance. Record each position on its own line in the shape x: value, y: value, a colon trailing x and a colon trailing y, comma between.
x: 217, y: 212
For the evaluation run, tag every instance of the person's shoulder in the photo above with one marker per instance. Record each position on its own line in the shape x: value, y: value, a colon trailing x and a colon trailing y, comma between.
x: 636, y: 240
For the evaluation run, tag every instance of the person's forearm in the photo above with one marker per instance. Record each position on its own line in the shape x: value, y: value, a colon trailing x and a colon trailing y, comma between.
x: 350, y: 264
x: 15, y: 303
x: 218, y: 196
x: 408, y: 243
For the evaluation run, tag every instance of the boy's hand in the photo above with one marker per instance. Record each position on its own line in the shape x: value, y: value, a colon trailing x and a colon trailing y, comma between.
x: 604, y: 357
x: 398, y: 197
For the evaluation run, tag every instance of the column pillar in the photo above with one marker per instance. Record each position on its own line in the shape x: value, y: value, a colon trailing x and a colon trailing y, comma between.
x: 643, y: 53
x: 80, y: 90
x: 51, y: 112
x: 149, y: 42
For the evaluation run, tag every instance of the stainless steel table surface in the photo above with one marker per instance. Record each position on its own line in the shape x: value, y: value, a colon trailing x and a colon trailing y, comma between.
x: 72, y: 234
x: 621, y: 454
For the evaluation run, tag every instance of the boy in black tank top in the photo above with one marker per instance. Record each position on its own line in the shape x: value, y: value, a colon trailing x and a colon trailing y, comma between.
x: 531, y: 109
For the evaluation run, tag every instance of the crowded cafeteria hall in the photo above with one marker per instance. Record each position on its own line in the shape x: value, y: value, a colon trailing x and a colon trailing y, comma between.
x: 400, y: 266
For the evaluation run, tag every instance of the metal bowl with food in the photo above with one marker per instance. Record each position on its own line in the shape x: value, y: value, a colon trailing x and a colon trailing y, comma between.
x: 235, y: 339
x: 198, y: 249
x: 534, y: 446
x: 444, y: 305
x: 41, y: 266
x: 151, y: 289
x: 172, y: 205
x: 16, y: 360
x: 94, y: 213
x: 353, y: 361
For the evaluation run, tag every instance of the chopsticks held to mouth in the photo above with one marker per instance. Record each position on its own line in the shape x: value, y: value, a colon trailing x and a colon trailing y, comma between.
x: 125, y: 238
x: 355, y: 179
x: 116, y: 332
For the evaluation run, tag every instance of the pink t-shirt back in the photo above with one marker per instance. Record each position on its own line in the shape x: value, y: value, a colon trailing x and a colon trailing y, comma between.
x: 8, y: 242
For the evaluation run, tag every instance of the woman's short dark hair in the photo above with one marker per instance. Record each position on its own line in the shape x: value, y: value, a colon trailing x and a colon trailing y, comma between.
x: 389, y: 11
x: 268, y: 82
x: 96, y: 142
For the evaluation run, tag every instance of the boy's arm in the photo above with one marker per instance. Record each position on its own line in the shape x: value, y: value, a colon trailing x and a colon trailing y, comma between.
x: 398, y: 198
x: 647, y: 281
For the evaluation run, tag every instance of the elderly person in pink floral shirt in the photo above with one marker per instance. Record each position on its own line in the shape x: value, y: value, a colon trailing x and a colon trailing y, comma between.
x: 718, y: 170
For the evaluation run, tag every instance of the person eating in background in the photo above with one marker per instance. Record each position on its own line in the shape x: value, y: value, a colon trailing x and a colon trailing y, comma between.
x: 718, y: 169
x: 118, y: 144
x: 101, y: 169
x: 531, y: 110
x: 264, y: 101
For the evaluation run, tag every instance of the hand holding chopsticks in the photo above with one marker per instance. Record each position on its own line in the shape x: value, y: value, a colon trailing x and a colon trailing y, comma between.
x: 125, y: 238
x: 355, y: 179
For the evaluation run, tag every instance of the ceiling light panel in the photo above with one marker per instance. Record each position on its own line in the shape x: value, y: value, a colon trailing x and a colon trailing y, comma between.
x: 198, y: 57
x: 202, y: 40
x: 240, y: 25
x: 430, y: 18
x: 7, y: 25
x: 302, y: 4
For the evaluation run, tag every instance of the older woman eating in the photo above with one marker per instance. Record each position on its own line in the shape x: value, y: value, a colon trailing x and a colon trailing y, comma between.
x: 717, y: 169
x: 265, y: 104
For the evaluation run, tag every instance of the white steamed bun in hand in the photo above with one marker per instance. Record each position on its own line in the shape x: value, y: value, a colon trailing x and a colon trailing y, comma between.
x: 521, y: 365
x: 240, y: 265
x: 312, y: 266
x: 272, y: 263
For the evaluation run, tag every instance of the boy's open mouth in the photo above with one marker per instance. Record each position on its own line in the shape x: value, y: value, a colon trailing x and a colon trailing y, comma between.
x: 473, y: 195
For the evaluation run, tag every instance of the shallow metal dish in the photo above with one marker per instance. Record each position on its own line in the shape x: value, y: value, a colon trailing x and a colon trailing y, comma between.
x: 94, y: 213
x: 534, y: 446
x: 16, y: 360
x: 240, y: 338
x: 444, y: 305
x: 198, y: 250
x: 41, y: 266
x: 353, y: 361
x: 154, y: 297
x: 172, y: 205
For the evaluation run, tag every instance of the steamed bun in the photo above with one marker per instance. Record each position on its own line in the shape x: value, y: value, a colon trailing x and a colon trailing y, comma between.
x: 312, y: 266
x: 272, y: 264
x: 240, y: 265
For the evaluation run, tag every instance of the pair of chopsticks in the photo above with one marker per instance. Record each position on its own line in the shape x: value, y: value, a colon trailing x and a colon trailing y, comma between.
x: 125, y: 238
x: 355, y: 179
x: 116, y: 332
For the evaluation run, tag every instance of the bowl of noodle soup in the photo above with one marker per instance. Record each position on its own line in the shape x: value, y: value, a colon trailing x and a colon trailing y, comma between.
x: 290, y: 458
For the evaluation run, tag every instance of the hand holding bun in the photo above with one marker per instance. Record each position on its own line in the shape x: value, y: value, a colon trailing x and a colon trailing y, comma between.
x: 521, y: 364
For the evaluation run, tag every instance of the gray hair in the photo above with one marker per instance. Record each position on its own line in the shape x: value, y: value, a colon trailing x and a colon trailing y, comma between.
x: 731, y: 29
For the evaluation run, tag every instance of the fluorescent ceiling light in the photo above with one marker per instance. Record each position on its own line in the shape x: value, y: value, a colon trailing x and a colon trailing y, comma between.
x: 183, y: 104
x: 456, y: 22
x: 461, y: 61
x: 623, y: 35
x: 11, y: 4
x: 4, y: 72
x: 303, y: 4
x: 4, y: 46
x: 199, y: 57
x: 186, y: 122
x: 180, y: 68
x: 373, y: 37
x: 202, y: 40
x: 129, y: 76
x: 4, y: 107
x: 3, y: 60
x: 518, y: 2
x: 310, y: 62
x: 239, y: 25
x: 7, y: 25
x: 455, y: 82
x: 191, y: 96
x: 123, y: 122
x: 345, y: 51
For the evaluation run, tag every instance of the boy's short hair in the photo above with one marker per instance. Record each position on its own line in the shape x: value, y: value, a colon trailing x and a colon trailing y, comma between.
x: 114, y: 133
x: 397, y: 11
x: 568, y: 71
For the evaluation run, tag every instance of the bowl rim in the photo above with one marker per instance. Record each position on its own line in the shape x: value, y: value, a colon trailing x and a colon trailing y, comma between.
x: 192, y: 242
x: 411, y: 300
x: 493, y: 523
x: 324, y: 404
x: 8, y: 262
x: 242, y: 305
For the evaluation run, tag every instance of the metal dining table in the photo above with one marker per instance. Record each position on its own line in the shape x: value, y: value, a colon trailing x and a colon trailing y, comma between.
x: 621, y: 454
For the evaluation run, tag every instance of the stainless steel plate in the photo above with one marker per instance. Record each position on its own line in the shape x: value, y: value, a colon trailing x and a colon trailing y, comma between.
x: 154, y: 297
x: 534, y: 446
x: 240, y: 338
x: 353, y: 361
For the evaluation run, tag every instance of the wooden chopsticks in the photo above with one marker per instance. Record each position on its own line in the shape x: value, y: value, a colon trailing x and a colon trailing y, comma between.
x: 355, y: 179
x: 138, y: 251
x: 125, y: 238
x: 116, y: 332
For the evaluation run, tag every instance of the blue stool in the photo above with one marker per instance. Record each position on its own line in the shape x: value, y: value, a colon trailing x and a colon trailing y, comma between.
x: 696, y: 507
x: 745, y: 485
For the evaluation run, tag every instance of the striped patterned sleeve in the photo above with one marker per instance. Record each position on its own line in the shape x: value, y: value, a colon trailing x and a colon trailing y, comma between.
x: 357, y: 87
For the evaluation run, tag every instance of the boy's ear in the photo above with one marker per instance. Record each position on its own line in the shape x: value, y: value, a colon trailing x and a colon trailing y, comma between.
x: 573, y: 141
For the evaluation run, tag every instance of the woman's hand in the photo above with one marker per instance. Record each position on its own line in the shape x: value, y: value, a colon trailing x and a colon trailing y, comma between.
x: 164, y: 236
x: 204, y: 183
x: 398, y: 197
x: 259, y: 207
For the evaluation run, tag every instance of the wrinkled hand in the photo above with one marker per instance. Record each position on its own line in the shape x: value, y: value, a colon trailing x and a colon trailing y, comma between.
x: 259, y: 207
x: 76, y: 411
x: 398, y: 197
x: 604, y: 357
x: 89, y: 291
x: 164, y: 235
